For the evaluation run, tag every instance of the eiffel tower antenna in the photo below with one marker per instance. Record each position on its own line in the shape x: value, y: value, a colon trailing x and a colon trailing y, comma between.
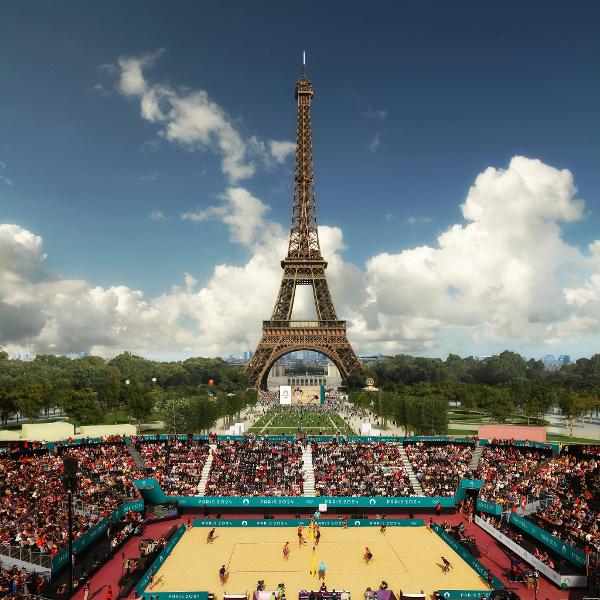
x: 303, y: 265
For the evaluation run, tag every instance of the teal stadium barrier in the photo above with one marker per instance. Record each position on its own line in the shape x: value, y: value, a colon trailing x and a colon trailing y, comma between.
x: 467, y: 557
x: 491, y: 508
x: 157, y: 563
x: 152, y: 492
x: 573, y: 555
x: 62, y: 558
x: 306, y: 522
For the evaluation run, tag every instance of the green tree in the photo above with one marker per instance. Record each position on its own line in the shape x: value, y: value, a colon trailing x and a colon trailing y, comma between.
x: 498, y: 403
x: 137, y: 399
x: 8, y: 404
x: 29, y: 399
x: 573, y: 406
x: 82, y: 406
x: 109, y: 393
x: 54, y: 394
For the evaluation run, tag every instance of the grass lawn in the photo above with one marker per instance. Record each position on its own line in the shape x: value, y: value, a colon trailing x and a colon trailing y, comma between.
x: 565, y: 439
x: 458, y: 416
x: 282, y: 422
x: 462, y: 432
x: 110, y: 418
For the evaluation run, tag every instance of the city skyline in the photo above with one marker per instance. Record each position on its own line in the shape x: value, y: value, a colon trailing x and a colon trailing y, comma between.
x: 146, y: 176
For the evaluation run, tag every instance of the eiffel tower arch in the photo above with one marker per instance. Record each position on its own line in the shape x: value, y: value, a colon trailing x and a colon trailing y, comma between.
x: 303, y: 265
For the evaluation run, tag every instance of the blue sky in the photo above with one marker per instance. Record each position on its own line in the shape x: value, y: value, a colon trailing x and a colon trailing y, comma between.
x: 413, y: 101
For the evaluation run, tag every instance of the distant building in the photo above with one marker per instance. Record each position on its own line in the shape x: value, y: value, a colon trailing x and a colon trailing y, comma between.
x: 551, y: 363
x: 278, y: 375
x: 370, y: 360
x: 24, y: 356
x: 76, y: 355
x: 564, y: 359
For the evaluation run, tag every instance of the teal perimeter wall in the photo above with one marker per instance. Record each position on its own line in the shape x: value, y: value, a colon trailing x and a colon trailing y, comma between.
x: 468, y: 558
x: 573, y: 555
x: 306, y: 522
x: 62, y: 557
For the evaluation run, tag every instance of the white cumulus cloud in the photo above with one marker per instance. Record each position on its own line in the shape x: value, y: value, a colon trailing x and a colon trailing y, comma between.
x: 191, y: 118
x: 504, y: 274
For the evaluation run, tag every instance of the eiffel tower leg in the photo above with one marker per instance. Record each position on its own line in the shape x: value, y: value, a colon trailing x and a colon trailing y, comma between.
x: 282, y: 311
x: 323, y: 301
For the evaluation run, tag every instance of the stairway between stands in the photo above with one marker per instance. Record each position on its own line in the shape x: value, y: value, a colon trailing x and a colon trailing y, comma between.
x: 309, y: 472
x: 475, y: 458
x: 137, y: 457
x: 414, y: 482
x: 206, y: 470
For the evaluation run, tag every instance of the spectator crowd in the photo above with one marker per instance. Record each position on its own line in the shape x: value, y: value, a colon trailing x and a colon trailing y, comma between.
x: 344, y: 468
x: 439, y: 468
x: 33, y: 510
x: 176, y: 464
x: 256, y: 467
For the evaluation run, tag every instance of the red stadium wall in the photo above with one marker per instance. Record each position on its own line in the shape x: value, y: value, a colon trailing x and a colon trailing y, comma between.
x: 516, y: 432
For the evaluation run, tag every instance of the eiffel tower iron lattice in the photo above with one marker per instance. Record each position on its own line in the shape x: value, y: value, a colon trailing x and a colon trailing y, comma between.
x: 303, y: 265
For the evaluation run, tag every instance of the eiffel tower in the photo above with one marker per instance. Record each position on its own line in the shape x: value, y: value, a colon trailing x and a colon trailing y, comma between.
x: 303, y: 265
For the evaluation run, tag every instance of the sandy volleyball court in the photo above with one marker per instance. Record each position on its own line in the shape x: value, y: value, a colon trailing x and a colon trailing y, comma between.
x: 408, y: 558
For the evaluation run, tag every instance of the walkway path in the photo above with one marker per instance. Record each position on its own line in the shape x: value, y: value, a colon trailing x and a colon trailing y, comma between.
x: 137, y: 457
x: 334, y: 425
x: 268, y: 423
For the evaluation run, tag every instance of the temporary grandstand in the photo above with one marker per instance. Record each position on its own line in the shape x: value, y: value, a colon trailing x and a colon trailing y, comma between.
x: 510, y: 508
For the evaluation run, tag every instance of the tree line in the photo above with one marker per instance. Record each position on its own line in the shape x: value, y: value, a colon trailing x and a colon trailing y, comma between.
x: 425, y: 414
x: 195, y: 393
x: 499, y: 386
x: 198, y: 390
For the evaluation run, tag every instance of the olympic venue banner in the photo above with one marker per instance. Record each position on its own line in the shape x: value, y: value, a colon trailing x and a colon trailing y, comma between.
x: 491, y: 508
x: 306, y: 522
x: 366, y: 439
x: 152, y: 492
x: 466, y: 594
